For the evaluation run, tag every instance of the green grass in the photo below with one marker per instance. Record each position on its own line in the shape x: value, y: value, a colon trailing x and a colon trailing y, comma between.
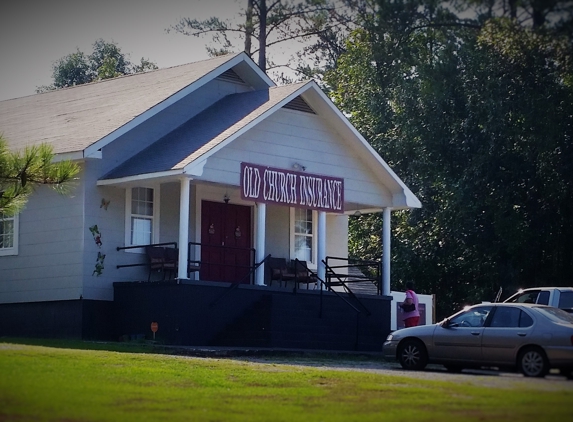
x: 73, y: 384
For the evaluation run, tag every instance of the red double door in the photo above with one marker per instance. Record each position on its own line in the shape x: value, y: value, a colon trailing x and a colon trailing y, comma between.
x: 225, y: 242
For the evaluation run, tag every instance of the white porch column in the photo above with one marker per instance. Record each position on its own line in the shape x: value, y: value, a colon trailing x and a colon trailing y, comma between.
x: 386, y: 251
x: 260, y: 242
x: 321, y: 247
x: 183, y: 228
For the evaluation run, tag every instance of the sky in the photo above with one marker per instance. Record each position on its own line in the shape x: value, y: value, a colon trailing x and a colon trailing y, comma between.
x: 36, y: 33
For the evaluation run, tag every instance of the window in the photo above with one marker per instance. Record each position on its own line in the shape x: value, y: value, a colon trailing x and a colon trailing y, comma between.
x: 543, y: 298
x: 506, y: 317
x: 8, y: 235
x: 566, y: 300
x: 525, y: 320
x: 526, y: 297
x: 142, y: 217
x: 303, y: 239
x: 474, y: 317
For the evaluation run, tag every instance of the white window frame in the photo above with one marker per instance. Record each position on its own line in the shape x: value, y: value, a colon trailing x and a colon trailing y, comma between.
x: 13, y: 250
x: 128, y: 215
x: 312, y: 263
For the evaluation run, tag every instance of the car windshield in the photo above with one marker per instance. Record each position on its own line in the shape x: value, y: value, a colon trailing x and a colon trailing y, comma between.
x: 473, y: 317
x: 556, y: 314
x: 524, y: 297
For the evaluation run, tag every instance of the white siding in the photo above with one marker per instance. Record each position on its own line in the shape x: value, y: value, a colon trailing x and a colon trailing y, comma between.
x: 49, y: 261
x: 110, y: 223
x: 277, y: 242
x: 291, y: 136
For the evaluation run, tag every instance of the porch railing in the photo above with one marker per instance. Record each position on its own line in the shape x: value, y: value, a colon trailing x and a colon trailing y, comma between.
x: 234, y: 286
x: 329, y: 286
x: 354, y: 271
x: 142, y: 264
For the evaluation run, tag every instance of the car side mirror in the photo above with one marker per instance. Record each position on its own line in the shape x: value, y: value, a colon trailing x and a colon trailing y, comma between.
x: 449, y: 324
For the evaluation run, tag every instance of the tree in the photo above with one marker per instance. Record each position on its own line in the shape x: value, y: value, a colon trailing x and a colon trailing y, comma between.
x: 475, y: 116
x: 21, y: 172
x: 105, y: 62
x: 272, y: 24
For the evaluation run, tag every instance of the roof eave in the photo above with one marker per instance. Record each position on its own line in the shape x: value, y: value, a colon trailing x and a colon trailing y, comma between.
x: 239, y: 58
x: 139, y: 178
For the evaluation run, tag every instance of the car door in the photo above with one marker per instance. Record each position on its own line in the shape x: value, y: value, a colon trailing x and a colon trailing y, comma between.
x: 460, y: 340
x: 507, y: 330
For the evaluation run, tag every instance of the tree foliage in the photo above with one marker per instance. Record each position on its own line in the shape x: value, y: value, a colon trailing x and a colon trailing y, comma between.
x: 274, y: 25
x: 475, y: 116
x: 105, y: 62
x: 21, y: 172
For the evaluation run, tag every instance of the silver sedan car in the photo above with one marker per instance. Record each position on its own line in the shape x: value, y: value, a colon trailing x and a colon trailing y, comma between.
x: 530, y: 338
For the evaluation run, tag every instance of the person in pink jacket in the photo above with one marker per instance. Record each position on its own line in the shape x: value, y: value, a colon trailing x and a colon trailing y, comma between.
x: 411, y: 315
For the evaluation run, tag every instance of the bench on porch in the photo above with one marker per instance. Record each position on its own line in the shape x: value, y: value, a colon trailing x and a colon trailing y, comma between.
x: 161, y: 259
x: 166, y: 260
x: 279, y: 271
x: 296, y: 272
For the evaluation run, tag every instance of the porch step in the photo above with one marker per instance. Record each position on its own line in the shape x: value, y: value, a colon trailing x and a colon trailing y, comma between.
x: 295, y: 321
x: 251, y: 329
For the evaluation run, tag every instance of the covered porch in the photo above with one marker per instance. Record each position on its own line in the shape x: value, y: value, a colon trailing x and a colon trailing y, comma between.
x: 236, y: 240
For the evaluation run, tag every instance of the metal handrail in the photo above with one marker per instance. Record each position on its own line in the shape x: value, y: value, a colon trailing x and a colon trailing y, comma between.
x: 356, y: 263
x: 234, y: 286
x: 142, y: 264
x: 322, y: 283
x: 349, y: 292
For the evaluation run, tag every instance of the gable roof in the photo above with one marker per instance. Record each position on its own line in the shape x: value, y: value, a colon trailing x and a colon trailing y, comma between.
x: 203, y: 133
x: 92, y: 115
x: 81, y: 120
x: 185, y: 150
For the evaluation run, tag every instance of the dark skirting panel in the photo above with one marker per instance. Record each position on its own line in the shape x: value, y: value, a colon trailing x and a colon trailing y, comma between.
x: 71, y: 319
x: 213, y: 314
x: 209, y: 314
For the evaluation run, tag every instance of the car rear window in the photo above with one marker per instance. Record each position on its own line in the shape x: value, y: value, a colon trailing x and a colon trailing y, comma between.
x: 566, y: 300
x: 543, y: 298
x: 556, y: 314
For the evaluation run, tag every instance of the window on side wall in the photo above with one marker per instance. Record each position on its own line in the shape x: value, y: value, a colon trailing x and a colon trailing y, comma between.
x: 142, y: 217
x: 8, y: 235
x: 303, y: 235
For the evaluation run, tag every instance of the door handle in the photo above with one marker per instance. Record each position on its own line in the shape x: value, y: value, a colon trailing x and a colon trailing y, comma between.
x: 475, y: 333
x: 521, y: 334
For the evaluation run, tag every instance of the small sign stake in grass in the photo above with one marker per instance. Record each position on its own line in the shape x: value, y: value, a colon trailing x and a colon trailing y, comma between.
x: 154, y: 328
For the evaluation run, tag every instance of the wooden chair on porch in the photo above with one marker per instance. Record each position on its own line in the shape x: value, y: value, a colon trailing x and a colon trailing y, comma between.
x: 163, y: 260
x: 172, y: 261
x: 156, y: 260
x: 302, y: 274
x: 279, y: 271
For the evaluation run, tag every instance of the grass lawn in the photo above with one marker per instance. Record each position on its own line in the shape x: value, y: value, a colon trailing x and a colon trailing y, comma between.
x: 69, y: 384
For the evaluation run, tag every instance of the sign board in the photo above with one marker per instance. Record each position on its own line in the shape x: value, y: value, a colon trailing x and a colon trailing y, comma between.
x: 154, y: 327
x: 292, y: 188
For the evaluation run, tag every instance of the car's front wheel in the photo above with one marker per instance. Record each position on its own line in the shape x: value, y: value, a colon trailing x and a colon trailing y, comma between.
x: 412, y: 355
x: 532, y: 362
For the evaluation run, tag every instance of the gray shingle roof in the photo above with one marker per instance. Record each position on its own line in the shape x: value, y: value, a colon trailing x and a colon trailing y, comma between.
x: 202, y: 133
x: 74, y: 118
